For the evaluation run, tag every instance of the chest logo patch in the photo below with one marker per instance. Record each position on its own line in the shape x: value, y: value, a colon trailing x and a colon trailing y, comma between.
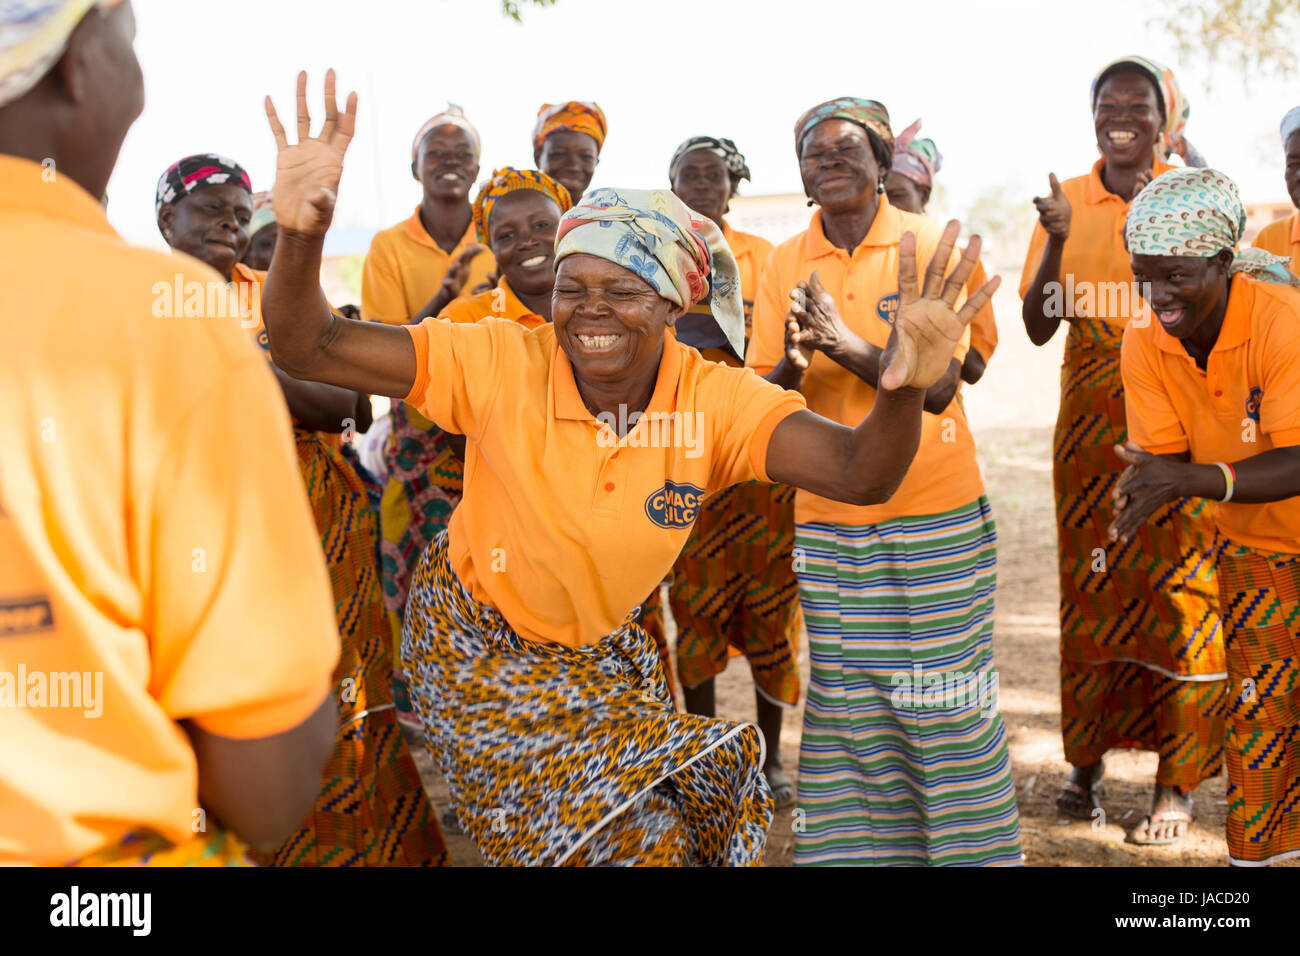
x: 1252, y: 404
x: 674, y: 505
x: 887, y: 307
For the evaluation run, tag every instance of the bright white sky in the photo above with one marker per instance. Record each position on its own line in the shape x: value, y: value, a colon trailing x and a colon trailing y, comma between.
x: 1002, y: 86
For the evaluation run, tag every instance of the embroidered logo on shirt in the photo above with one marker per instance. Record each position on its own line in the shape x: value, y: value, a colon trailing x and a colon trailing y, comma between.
x: 887, y: 307
x: 1252, y: 404
x: 674, y: 505
x: 264, y: 340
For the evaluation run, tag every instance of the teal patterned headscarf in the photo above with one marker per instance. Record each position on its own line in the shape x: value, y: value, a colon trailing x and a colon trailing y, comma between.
x: 1199, y: 213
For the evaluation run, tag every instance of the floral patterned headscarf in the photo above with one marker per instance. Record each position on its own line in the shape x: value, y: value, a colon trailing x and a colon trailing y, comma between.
x: 683, y: 257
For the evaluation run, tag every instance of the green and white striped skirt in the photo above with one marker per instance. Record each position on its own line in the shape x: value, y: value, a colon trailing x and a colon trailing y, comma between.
x: 904, y: 757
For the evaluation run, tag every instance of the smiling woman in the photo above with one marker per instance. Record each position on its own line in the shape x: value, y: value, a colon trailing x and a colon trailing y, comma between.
x: 529, y: 667
x: 1213, y: 398
x: 1156, y: 680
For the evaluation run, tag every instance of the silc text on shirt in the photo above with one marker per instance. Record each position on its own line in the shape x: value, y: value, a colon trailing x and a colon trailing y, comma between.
x: 674, y: 505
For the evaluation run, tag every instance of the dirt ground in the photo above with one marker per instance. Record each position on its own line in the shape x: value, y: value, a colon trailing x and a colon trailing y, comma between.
x: 1012, y: 412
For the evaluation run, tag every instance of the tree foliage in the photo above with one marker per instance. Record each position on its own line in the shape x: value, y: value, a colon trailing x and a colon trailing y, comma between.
x: 1250, y: 36
x: 511, y: 8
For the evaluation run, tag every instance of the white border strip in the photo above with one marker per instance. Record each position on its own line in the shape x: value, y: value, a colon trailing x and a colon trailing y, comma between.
x: 586, y: 837
x: 1288, y: 855
x: 1161, y: 670
x: 361, y: 716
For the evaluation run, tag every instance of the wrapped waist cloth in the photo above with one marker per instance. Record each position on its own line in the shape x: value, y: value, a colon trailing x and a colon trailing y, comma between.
x: 557, y: 755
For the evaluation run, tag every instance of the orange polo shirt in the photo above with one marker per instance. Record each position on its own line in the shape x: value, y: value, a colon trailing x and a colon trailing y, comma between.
x: 155, y: 539
x: 1250, y: 389
x: 564, y: 528
x: 1282, y: 238
x: 984, y: 327
x: 751, y: 252
x: 501, y: 303
x: 1094, y: 263
x: 944, y: 474
x: 405, y: 267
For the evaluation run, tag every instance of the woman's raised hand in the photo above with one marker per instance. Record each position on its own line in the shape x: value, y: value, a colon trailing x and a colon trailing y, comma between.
x: 927, y: 328
x: 307, y: 173
x: 1054, y: 210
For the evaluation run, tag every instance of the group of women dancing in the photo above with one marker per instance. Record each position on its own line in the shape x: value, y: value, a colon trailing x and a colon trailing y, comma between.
x: 497, y: 546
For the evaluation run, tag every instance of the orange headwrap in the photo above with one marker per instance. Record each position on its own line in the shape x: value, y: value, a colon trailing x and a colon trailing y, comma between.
x: 574, y: 115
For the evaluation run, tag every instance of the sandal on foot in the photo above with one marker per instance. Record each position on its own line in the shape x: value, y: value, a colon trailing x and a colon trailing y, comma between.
x: 1165, y: 816
x: 1084, y: 795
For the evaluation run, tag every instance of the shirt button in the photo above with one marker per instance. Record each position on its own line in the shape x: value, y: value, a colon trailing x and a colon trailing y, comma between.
x: 850, y: 295
x: 1218, y: 393
x: 609, y: 486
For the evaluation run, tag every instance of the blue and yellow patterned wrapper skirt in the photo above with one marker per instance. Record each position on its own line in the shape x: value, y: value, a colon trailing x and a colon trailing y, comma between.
x: 558, y: 755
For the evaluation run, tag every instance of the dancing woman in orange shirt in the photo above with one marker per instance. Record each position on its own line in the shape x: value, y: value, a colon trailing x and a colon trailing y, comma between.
x: 591, y: 442
x: 1213, y: 396
x: 1141, y: 643
x: 372, y: 809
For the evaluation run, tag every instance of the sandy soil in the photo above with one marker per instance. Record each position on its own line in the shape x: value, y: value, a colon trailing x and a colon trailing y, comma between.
x: 1012, y: 412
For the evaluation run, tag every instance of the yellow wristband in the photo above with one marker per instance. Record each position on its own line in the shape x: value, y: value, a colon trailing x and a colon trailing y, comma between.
x: 1229, y: 480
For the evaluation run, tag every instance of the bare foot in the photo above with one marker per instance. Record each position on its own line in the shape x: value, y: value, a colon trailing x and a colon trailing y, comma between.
x: 1170, y: 817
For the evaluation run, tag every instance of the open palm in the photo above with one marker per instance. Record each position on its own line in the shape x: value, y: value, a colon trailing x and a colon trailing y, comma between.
x: 307, y: 173
x: 927, y: 328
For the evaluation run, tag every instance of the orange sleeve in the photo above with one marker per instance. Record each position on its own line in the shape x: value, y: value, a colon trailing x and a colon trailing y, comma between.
x: 243, y: 636
x: 754, y: 407
x: 457, y: 310
x: 1153, y: 423
x: 767, y: 338
x: 1275, y: 238
x: 1279, y: 413
x: 382, y: 298
x: 983, y: 328
x: 459, y: 371
x: 1033, y: 257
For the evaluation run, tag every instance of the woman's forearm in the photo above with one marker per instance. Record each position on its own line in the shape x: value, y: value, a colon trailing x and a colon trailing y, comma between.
x: 1273, y: 475
x: 786, y: 374
x: 441, y: 299
x: 1039, y: 323
x: 859, y: 466
x: 317, y: 406
x: 308, y: 342
x: 860, y: 357
x: 294, y: 307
